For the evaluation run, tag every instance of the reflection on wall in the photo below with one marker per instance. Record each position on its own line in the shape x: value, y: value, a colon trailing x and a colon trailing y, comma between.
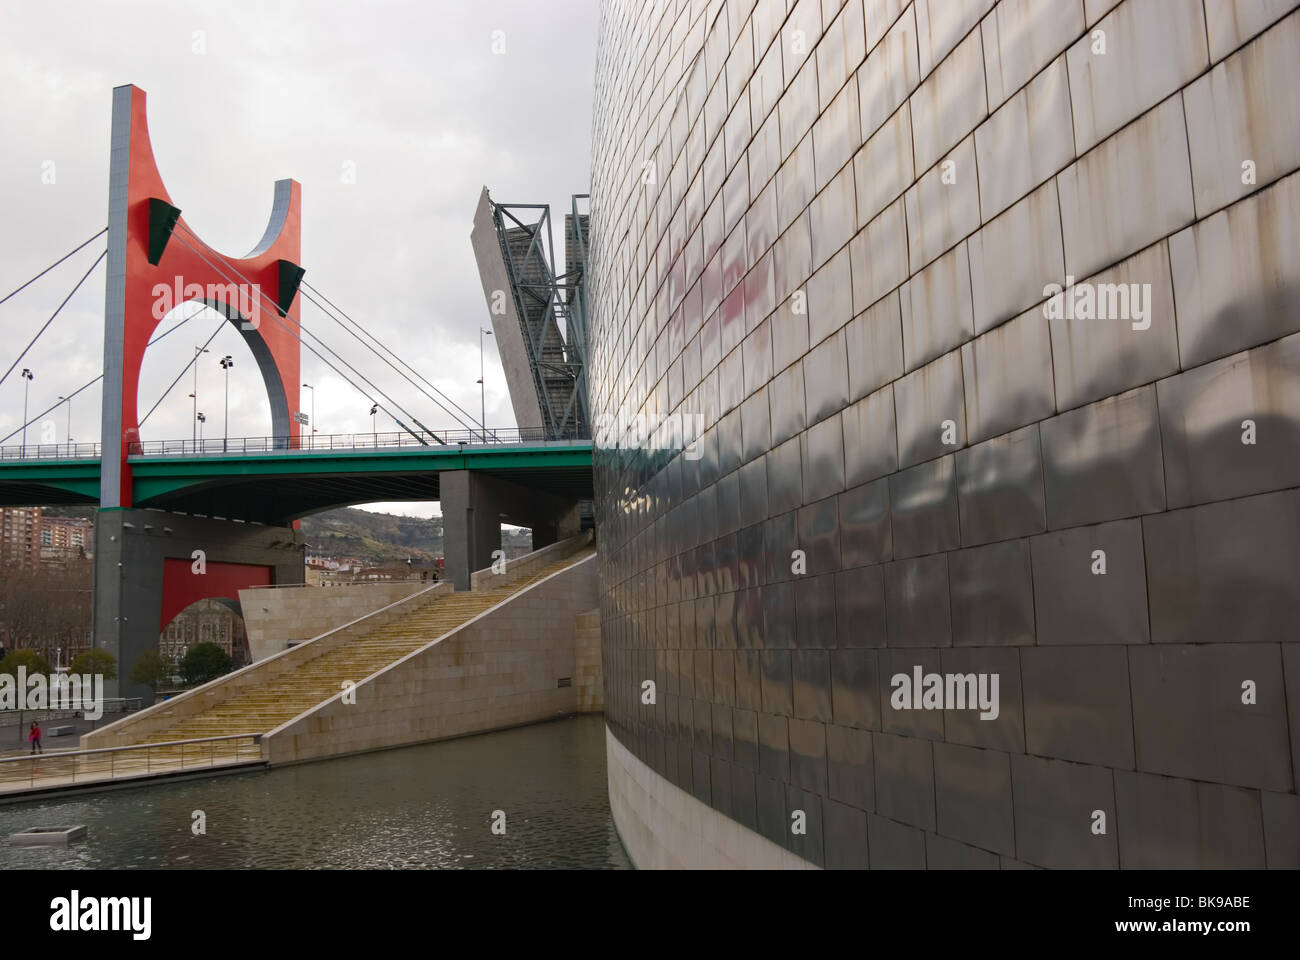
x: 988, y: 310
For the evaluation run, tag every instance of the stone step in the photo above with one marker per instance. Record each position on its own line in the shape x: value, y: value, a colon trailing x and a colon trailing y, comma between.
x: 371, y: 649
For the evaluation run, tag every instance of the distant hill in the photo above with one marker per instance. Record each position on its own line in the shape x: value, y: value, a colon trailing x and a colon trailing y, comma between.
x: 374, y: 537
x: 384, y: 537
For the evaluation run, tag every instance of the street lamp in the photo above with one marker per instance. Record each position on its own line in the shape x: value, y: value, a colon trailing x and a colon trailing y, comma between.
x: 201, y: 420
x: 197, y: 350
x: 313, y: 410
x: 373, y: 429
x: 226, y: 364
x: 68, y: 401
x: 482, y: 394
x: 27, y: 382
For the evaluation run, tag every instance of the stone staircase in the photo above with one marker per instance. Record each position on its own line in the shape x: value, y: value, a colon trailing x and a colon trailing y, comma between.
x: 262, y: 709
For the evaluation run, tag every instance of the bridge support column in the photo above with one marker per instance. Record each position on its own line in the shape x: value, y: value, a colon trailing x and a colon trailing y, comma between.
x: 474, y: 505
x: 147, y: 569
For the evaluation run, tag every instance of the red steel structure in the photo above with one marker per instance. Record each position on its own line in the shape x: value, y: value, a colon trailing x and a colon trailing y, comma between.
x: 220, y: 581
x: 155, y: 262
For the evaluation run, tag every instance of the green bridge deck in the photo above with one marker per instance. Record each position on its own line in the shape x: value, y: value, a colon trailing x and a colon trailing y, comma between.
x: 279, y: 486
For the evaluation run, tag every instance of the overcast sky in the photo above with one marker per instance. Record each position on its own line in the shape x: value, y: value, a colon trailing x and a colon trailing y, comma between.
x: 410, y: 97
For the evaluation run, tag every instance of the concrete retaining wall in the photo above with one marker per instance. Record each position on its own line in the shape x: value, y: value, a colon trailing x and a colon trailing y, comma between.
x: 278, y: 617
x: 161, y: 716
x: 529, y: 564
x: 500, y: 669
x: 665, y: 828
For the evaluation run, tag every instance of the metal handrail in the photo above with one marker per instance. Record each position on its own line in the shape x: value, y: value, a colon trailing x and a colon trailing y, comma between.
x: 51, y: 451
x: 34, y: 760
x: 324, y: 443
x: 255, y: 737
x: 318, y: 443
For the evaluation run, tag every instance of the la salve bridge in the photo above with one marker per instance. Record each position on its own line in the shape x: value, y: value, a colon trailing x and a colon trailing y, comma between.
x: 238, y: 499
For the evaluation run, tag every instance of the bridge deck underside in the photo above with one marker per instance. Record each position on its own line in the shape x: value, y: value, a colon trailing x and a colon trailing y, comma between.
x: 18, y: 494
x: 279, y: 499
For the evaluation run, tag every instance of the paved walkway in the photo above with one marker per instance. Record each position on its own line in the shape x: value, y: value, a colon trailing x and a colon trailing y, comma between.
x: 13, y: 735
x: 25, y: 773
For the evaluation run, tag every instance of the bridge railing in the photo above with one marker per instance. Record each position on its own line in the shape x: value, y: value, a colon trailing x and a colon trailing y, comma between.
x: 341, y: 441
x: 314, y: 443
x: 51, y: 451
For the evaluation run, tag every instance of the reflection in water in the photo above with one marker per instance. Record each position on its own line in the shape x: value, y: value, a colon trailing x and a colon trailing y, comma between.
x: 425, y: 806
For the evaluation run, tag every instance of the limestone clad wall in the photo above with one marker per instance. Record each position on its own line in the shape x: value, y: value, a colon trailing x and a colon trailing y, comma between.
x: 529, y: 564
x: 500, y: 669
x: 276, y: 618
x: 664, y: 828
x: 163, y: 715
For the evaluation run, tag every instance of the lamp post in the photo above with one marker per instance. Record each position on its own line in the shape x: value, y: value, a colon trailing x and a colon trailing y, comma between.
x: 482, y: 390
x: 27, y: 382
x: 197, y: 350
x: 68, y: 401
x: 226, y: 364
x: 308, y: 386
x: 201, y: 420
x: 373, y: 429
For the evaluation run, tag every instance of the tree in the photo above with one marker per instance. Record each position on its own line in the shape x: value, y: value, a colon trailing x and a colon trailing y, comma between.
x: 151, y: 670
x: 47, y: 606
x: 204, y: 662
x: 30, y: 659
x: 94, y: 661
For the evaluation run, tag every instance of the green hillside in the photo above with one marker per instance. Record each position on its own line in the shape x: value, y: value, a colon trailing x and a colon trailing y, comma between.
x: 373, y: 537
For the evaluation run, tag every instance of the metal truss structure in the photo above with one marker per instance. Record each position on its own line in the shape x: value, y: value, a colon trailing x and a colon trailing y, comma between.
x: 551, y: 309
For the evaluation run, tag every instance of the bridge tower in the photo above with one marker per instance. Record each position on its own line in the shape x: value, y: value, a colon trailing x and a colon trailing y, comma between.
x: 155, y: 263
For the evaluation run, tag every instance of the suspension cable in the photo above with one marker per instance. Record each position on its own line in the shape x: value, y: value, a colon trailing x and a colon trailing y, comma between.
x: 274, y: 314
x: 311, y: 299
x: 465, y: 413
x: 57, y: 311
x: 51, y: 408
x: 275, y: 317
x: 51, y: 266
x: 175, y: 328
x: 87, y: 386
x: 186, y: 368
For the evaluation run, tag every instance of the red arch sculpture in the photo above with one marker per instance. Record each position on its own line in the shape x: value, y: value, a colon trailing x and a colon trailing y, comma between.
x: 152, y: 250
x: 222, y: 580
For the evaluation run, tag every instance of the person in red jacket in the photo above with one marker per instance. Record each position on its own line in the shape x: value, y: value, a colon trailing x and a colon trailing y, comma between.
x: 35, y: 737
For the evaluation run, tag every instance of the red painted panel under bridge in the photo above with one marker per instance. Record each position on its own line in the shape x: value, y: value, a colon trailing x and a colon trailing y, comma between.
x: 182, y: 586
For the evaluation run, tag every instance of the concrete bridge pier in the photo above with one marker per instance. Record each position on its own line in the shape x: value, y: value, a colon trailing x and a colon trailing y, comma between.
x: 474, y: 505
x: 150, y: 565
